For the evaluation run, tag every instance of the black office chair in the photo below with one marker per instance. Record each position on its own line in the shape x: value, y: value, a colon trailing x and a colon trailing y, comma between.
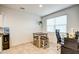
x: 59, y: 40
x: 76, y: 35
x: 58, y: 36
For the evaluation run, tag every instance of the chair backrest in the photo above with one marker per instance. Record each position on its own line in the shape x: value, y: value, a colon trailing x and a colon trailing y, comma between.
x: 58, y: 36
x: 76, y: 35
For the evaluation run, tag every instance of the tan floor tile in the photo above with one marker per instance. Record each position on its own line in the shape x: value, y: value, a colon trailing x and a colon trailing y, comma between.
x: 29, y: 48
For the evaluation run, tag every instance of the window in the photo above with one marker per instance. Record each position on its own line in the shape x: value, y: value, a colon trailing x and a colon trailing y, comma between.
x: 57, y: 23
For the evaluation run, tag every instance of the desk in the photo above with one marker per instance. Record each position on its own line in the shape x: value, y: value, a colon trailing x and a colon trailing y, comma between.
x: 71, y: 46
x: 71, y: 43
x: 40, y: 40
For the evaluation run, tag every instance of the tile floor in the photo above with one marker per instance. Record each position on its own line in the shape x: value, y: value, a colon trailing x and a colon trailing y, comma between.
x: 29, y: 48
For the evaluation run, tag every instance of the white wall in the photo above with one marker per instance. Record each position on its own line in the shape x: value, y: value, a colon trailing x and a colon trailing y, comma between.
x: 21, y: 25
x: 1, y: 22
x: 72, y: 22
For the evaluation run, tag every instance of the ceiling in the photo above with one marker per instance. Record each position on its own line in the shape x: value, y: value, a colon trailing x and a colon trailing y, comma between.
x: 35, y: 9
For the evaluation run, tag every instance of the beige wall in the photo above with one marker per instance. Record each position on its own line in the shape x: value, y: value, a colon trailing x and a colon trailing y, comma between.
x: 72, y: 22
x: 21, y: 25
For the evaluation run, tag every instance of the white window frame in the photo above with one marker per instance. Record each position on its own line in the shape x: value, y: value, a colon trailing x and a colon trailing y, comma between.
x: 57, y: 25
